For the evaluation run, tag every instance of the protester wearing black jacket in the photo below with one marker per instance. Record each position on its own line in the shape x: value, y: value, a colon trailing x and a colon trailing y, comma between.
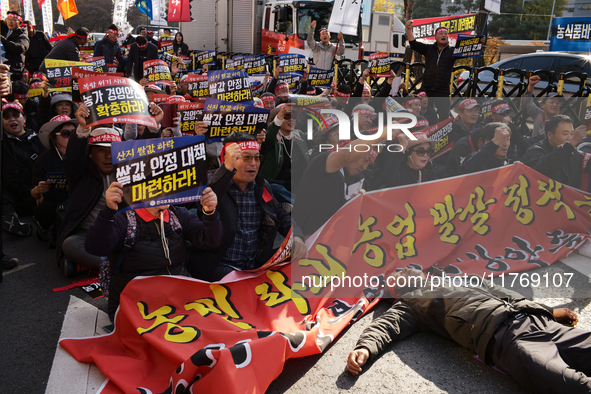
x: 15, y: 42
x: 439, y: 63
x: 68, y: 48
x: 493, y: 153
x: 39, y: 48
x: 139, y: 52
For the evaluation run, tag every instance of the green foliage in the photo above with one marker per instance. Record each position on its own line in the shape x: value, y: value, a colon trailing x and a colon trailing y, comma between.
x: 465, y: 6
x: 427, y: 9
x: 528, y: 26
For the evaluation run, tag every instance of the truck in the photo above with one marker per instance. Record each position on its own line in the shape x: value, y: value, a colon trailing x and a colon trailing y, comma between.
x: 275, y: 26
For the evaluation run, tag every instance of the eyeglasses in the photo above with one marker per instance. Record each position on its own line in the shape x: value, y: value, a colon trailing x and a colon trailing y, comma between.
x: 249, y: 159
x: 10, y: 114
x: 287, y: 116
x: 422, y: 152
x: 66, y: 133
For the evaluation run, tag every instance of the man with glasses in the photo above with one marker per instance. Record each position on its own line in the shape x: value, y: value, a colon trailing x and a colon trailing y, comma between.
x: 108, y: 46
x: 15, y: 42
x: 20, y: 149
x: 250, y: 215
x: 550, y: 106
x: 439, y: 63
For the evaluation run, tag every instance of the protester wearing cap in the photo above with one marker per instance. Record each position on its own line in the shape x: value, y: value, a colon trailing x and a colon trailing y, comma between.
x: 557, y: 157
x: 21, y: 147
x: 15, y: 42
x: 324, y: 51
x: 413, y: 104
x: 439, y: 62
x: 68, y: 48
x: 108, y: 46
x: 550, y: 106
x: 89, y: 172
x: 494, y: 151
x: 140, y: 52
x: 20, y: 93
x: 48, y: 185
x: 326, y: 135
x: 285, y: 153
x: 251, y: 216
x: 39, y: 47
x: 501, y: 112
x: 331, y: 179
x: 342, y: 95
x: 427, y: 110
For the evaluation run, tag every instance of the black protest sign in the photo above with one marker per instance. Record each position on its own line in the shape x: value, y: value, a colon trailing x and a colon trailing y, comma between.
x: 198, y: 86
x: 157, y: 71
x: 229, y: 85
x: 78, y: 72
x: 440, y: 132
x: 224, y: 118
x: 204, y: 58
x: 292, y: 63
x: 158, y: 172
x: 379, y: 64
x: 190, y: 114
x: 115, y: 100
x: 59, y: 73
x: 255, y: 65
x: 291, y: 79
x: 320, y: 78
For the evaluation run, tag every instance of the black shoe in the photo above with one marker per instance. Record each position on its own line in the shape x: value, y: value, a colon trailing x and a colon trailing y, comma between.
x: 43, y: 235
x: 13, y: 225
x: 69, y: 267
x: 8, y: 262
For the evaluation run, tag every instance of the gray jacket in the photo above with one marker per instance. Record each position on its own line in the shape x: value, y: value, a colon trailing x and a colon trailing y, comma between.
x: 467, y: 315
x: 537, y: 114
x: 324, y: 53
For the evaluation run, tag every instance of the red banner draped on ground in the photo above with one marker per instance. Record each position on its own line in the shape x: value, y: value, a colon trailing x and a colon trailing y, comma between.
x: 235, y: 336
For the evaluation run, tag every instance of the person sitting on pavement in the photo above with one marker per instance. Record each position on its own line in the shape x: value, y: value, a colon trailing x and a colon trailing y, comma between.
x: 324, y: 51
x: 49, y: 186
x: 16, y: 43
x: 331, y: 179
x: 556, y: 156
x: 550, y: 106
x: 68, y: 48
x: 250, y: 215
x: 409, y: 165
x: 89, y: 172
x: 285, y: 154
x: 525, y: 340
x: 462, y: 149
x: 493, y: 154
x: 146, y: 257
x: 501, y: 112
x: 20, y: 93
x: 21, y: 147
x: 108, y: 47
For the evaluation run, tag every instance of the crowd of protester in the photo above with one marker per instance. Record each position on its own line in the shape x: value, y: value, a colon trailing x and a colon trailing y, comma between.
x: 60, y: 171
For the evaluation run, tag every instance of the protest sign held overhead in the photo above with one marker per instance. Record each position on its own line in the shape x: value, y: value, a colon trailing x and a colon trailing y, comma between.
x: 320, y: 78
x: 292, y: 63
x: 440, y: 132
x: 257, y: 88
x: 157, y: 172
x: 237, y: 63
x: 59, y: 73
x: 203, y: 58
x: 379, y: 64
x: 190, y: 114
x: 157, y: 71
x: 198, y: 86
x: 424, y: 29
x: 99, y: 63
x: 571, y: 34
x: 255, y: 65
x: 78, y: 73
x: 115, y: 100
x: 291, y: 79
x: 224, y: 118
x: 167, y: 45
x: 345, y: 17
x: 229, y: 85
x: 469, y: 46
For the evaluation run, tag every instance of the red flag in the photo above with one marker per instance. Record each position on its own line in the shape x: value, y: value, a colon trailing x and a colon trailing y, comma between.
x: 67, y: 8
x: 179, y: 11
x: 40, y: 2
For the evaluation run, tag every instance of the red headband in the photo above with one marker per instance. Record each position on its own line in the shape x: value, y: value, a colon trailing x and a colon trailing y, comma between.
x: 499, y: 107
x: 113, y: 31
x: 21, y: 95
x: 422, y: 94
x: 339, y: 94
x: 412, y: 101
x: 104, y: 138
x: 142, y: 46
x: 80, y: 36
x: 268, y: 98
x: 366, y: 87
x: 364, y: 112
x: 373, y: 153
x: 422, y: 123
x: 244, y: 145
x: 16, y: 106
x: 15, y: 16
x: 324, y: 29
x: 280, y: 85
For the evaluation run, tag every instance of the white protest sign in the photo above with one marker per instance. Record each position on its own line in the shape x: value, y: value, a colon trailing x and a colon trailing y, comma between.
x: 493, y: 6
x: 344, y: 17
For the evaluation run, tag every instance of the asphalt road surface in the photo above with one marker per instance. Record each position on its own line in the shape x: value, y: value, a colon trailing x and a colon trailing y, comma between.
x: 32, y: 317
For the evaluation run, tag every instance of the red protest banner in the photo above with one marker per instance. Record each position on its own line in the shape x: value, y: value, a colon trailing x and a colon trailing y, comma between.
x: 115, y: 100
x: 440, y: 132
x: 157, y: 71
x: 78, y: 72
x: 234, y: 337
